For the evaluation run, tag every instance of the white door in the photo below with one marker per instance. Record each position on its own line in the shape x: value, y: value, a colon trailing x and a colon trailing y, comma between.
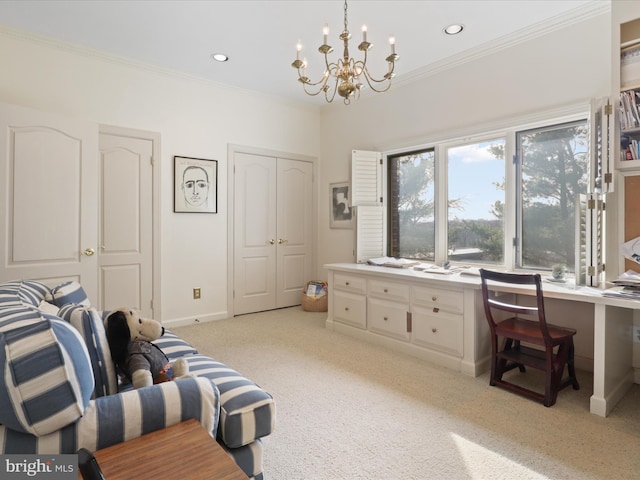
x: 254, y: 233
x: 272, y: 231
x: 125, y: 260
x: 295, y: 230
x: 49, y: 183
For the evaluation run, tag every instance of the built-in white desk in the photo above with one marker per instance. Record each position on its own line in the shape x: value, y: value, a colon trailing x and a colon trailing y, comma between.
x: 440, y: 318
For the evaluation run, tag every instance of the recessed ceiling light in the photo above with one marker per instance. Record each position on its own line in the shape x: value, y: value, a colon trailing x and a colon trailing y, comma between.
x: 219, y: 57
x: 453, y: 29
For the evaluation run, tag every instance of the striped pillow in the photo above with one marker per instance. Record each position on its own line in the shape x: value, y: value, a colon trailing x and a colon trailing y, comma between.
x: 173, y: 346
x: 89, y: 323
x: 45, y: 374
x: 68, y: 292
x: 19, y: 293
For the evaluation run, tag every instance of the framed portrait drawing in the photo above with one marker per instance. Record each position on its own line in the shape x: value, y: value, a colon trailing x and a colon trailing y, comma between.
x: 341, y: 212
x: 195, y: 185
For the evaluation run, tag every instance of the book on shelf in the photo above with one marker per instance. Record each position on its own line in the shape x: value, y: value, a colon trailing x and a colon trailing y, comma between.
x: 629, y: 111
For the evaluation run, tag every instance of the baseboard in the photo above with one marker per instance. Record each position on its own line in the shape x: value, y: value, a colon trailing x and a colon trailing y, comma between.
x: 181, y: 322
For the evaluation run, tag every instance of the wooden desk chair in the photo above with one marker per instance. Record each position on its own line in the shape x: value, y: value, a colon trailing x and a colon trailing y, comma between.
x: 554, y: 344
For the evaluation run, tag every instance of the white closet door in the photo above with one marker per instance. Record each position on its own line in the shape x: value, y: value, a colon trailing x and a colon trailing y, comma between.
x: 49, y: 201
x: 254, y: 233
x: 295, y: 230
x: 126, y: 226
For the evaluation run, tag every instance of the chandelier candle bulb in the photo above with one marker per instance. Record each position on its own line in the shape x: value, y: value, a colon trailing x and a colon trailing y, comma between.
x: 298, y: 50
x: 364, y: 33
x: 392, y: 42
x: 325, y: 33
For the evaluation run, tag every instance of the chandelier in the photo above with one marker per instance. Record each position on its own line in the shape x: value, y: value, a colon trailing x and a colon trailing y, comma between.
x: 345, y: 76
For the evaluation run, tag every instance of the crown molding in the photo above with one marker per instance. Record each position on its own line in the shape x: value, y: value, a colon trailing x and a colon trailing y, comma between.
x: 578, y: 15
x: 101, y: 55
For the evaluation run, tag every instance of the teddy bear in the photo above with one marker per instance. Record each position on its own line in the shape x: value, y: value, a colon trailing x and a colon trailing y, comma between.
x: 129, y: 337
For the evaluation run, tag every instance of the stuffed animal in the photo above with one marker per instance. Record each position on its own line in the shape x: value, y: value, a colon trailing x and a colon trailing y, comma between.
x: 142, y: 362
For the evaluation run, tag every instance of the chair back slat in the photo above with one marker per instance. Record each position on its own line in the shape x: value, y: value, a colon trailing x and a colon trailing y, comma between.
x: 506, y: 279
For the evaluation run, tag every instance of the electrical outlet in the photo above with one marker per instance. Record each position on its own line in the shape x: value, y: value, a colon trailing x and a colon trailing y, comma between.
x: 196, y: 293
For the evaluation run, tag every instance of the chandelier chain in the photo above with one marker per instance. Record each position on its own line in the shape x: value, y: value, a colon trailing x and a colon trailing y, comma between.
x: 346, y: 22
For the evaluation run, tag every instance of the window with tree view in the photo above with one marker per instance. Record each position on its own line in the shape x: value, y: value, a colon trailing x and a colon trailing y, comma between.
x: 490, y: 200
x: 553, y: 169
x: 412, y: 202
x: 475, y: 192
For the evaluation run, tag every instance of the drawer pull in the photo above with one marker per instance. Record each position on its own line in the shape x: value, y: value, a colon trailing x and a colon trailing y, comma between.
x: 346, y: 309
x: 346, y: 283
x: 386, y: 318
x: 386, y: 290
x: 436, y: 309
x: 434, y: 330
x: 434, y: 299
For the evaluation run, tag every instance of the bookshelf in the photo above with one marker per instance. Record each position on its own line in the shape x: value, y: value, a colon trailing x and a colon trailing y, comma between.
x: 628, y: 155
x: 626, y: 86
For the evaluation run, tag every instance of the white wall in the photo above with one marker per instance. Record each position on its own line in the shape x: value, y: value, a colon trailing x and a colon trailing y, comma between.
x: 561, y: 68
x: 195, y: 118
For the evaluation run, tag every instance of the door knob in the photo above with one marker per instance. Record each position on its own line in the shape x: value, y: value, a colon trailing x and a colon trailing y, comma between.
x: 89, y: 251
x: 281, y: 241
x: 272, y: 241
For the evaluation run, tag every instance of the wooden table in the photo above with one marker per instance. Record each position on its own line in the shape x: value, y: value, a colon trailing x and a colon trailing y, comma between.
x: 182, y: 451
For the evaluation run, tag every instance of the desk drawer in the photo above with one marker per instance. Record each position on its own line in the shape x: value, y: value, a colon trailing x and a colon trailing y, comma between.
x: 349, y: 283
x: 350, y: 308
x: 437, y: 330
x: 388, y: 318
x: 446, y: 300
x: 389, y: 290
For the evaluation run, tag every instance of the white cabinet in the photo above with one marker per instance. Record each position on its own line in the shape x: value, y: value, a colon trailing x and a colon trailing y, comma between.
x: 388, y: 308
x: 437, y: 318
x: 388, y: 318
x: 349, y: 303
x: 397, y: 309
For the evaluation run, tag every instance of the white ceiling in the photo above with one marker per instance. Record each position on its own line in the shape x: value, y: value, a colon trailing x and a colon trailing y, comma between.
x: 260, y: 36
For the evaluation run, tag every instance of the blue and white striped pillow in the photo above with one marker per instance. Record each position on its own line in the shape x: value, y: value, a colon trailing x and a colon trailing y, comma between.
x: 68, y: 292
x: 45, y: 374
x: 19, y: 293
x: 89, y: 323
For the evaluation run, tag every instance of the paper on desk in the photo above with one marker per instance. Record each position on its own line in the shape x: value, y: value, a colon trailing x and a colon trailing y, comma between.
x: 631, y: 249
x: 391, y: 262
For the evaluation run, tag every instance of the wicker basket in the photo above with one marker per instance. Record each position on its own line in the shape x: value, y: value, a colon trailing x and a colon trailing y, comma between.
x: 314, y: 304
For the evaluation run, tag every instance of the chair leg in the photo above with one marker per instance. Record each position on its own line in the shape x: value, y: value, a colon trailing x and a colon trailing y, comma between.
x: 520, y: 366
x: 572, y: 369
x: 551, y: 379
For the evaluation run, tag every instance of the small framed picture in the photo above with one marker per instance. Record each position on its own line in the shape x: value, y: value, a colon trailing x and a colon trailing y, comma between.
x: 340, y: 214
x: 195, y: 185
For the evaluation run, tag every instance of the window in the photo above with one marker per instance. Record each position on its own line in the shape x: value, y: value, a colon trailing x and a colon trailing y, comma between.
x: 411, y: 205
x: 475, y: 193
x: 553, y: 170
x: 518, y: 214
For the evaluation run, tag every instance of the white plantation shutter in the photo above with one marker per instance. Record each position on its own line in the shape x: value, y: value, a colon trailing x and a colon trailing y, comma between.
x: 581, y: 240
x: 366, y: 177
x: 589, y: 265
x: 370, y: 236
x: 366, y: 195
x: 600, y: 146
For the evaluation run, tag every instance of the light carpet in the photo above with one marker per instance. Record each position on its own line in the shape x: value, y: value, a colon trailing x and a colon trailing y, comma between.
x: 347, y: 410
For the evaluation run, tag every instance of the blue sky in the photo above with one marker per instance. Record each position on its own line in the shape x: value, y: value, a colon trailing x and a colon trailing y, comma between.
x: 472, y: 173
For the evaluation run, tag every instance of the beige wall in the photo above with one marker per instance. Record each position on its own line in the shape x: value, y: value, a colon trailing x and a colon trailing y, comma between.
x: 561, y: 68
x: 195, y: 118
x: 199, y: 119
